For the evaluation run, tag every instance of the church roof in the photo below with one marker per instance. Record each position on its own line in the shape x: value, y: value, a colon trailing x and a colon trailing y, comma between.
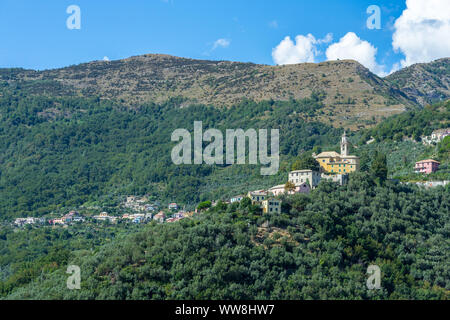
x: 328, y: 154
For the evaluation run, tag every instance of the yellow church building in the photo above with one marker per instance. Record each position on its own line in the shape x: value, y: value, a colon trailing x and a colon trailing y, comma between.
x: 335, y: 163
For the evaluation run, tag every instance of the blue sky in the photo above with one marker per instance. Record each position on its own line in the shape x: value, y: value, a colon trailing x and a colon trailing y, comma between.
x: 34, y: 34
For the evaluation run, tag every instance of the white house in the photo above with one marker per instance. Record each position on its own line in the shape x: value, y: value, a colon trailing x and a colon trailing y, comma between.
x: 173, y: 206
x: 299, y: 177
x: 237, y: 199
x: 436, y: 136
x: 160, y: 217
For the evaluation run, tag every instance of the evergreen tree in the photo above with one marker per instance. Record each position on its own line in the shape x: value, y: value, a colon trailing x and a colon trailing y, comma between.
x: 306, y: 162
x: 379, y: 167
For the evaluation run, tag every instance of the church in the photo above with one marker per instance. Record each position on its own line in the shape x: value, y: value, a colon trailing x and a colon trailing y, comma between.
x: 335, y: 163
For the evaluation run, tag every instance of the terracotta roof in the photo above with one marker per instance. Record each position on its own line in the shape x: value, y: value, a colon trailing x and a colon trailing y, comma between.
x: 428, y: 160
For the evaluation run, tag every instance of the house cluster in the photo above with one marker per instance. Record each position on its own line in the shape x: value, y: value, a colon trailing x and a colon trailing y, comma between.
x: 72, y: 216
x: 138, y: 211
x: 174, y: 217
x: 265, y: 200
x: 436, y: 136
x: 140, y: 204
x: 333, y: 167
x: 104, y: 216
x: 19, y: 222
x: 144, y: 213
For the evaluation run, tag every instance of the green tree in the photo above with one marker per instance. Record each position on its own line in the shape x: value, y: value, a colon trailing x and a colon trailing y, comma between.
x: 289, y: 187
x: 204, y: 205
x: 444, y: 149
x: 379, y: 167
x: 306, y: 162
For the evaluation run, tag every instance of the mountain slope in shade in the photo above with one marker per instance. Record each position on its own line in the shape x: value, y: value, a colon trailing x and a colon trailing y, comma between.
x: 353, y: 96
x: 424, y: 83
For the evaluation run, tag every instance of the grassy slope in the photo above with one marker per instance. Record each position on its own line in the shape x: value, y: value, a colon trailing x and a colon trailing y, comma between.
x: 353, y: 95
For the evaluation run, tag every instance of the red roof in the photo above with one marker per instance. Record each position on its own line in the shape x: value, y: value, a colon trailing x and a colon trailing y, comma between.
x: 428, y: 160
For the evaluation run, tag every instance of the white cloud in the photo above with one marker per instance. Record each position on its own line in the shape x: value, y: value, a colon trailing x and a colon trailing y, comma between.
x: 328, y: 38
x: 351, y: 46
x: 422, y: 32
x: 105, y: 58
x: 221, y: 43
x: 303, y: 50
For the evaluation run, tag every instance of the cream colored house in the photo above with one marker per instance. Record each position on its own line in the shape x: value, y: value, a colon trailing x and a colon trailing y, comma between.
x: 257, y: 196
x: 271, y: 206
x: 277, y: 190
x: 299, y: 177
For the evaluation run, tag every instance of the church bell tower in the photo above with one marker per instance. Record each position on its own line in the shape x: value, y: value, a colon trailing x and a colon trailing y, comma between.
x: 344, y: 145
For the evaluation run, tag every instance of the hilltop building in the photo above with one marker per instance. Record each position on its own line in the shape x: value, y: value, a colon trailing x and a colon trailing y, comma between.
x: 299, y: 177
x: 160, y: 217
x: 271, y: 205
x: 257, y: 196
x: 263, y: 199
x: 277, y: 190
x: 72, y: 216
x: 103, y: 216
x: 237, y: 198
x: 333, y: 162
x: 338, y: 178
x: 173, y: 206
x: 23, y: 221
x: 436, y: 136
x: 426, y: 166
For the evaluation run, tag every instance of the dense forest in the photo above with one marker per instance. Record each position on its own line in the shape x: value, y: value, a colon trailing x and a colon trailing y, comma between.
x: 399, y: 137
x: 318, y: 248
x: 61, y: 153
x: 65, y: 152
x: 412, y: 124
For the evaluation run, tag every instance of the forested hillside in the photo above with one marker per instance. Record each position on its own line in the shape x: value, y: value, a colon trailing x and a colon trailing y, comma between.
x: 87, y: 136
x: 319, y: 248
x: 64, y: 152
x: 412, y: 124
x: 400, y: 138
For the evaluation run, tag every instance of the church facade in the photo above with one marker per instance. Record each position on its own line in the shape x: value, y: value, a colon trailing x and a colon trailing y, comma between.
x: 335, y: 163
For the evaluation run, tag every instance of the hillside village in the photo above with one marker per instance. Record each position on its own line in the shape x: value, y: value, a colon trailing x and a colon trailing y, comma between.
x: 137, y: 210
x: 333, y: 166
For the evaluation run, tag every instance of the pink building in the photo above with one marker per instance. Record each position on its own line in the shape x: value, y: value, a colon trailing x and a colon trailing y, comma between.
x: 426, y: 166
x: 303, y: 188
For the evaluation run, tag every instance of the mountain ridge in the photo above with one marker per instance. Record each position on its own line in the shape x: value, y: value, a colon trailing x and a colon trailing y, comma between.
x: 424, y: 83
x: 353, y: 97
